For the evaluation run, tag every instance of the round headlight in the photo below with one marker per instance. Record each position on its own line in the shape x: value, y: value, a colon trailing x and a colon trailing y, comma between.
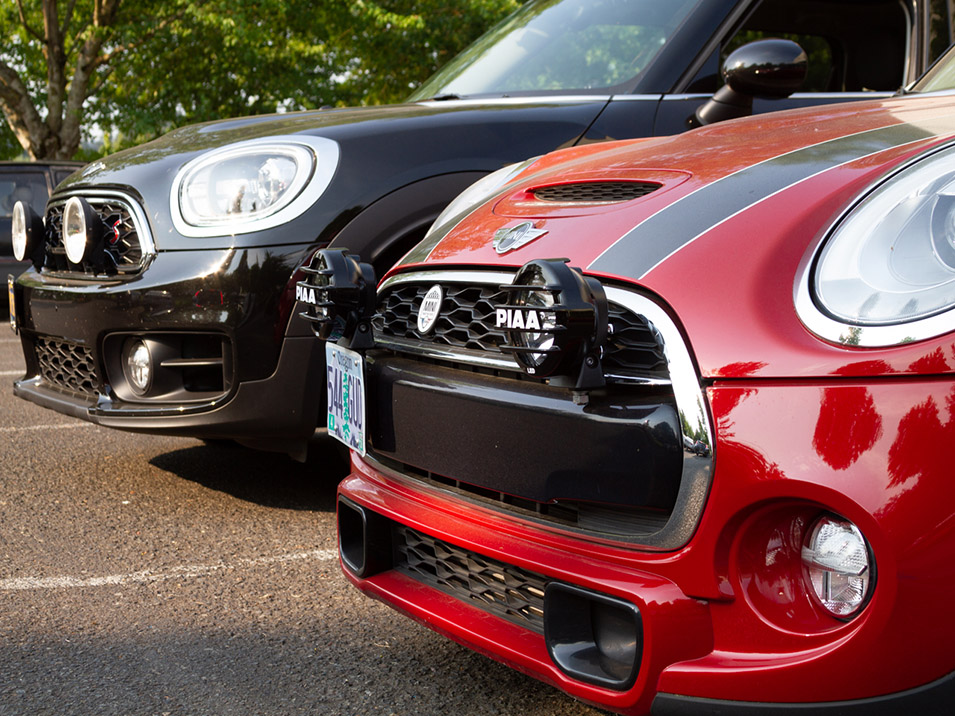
x: 75, y: 226
x: 837, y: 568
x: 138, y: 366
x: 886, y: 274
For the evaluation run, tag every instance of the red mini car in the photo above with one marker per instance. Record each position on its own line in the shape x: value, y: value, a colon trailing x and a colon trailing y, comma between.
x: 667, y: 423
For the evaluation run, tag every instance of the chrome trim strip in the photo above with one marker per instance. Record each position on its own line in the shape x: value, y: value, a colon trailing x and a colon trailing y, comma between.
x: 839, y: 96
x: 684, y: 379
x: 506, y: 101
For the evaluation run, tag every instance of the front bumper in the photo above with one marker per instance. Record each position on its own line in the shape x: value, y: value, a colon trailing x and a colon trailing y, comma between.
x: 726, y: 623
x: 237, y: 362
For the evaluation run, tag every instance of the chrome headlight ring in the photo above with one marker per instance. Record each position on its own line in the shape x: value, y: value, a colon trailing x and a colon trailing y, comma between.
x: 885, y: 273
x: 252, y: 185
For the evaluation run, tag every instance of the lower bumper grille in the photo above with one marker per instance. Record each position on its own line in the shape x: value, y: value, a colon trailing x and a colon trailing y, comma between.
x: 500, y: 589
x: 67, y: 366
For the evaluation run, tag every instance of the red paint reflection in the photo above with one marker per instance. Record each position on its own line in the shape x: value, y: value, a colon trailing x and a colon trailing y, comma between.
x: 848, y: 425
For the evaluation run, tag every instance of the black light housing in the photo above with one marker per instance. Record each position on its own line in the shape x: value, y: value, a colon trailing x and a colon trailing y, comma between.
x: 340, y: 291
x: 27, y: 232
x: 83, y: 232
x: 556, y: 321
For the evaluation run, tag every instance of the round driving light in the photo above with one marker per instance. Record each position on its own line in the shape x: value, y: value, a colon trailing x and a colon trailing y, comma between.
x: 837, y: 566
x: 340, y: 293
x: 138, y: 366
x: 27, y: 234
x: 555, y: 321
x: 18, y: 230
x: 74, y: 230
x: 541, y: 318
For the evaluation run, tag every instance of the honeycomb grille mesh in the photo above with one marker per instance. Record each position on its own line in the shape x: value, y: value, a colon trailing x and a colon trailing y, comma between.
x: 466, y: 321
x: 501, y: 589
x: 67, y: 366
x: 599, y: 192
x: 122, y: 246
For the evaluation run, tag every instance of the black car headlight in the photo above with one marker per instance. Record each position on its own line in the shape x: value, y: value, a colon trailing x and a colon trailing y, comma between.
x: 340, y: 293
x: 252, y: 185
x: 555, y: 321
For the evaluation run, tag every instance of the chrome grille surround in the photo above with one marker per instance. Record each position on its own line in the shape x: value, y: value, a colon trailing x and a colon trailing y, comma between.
x: 681, y: 378
x: 129, y: 246
x: 67, y: 366
x: 594, y: 192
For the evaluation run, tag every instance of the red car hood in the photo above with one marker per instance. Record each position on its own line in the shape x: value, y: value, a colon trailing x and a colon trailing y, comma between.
x: 739, y: 208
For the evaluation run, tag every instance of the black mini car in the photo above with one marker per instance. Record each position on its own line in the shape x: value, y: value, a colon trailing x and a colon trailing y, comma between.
x: 162, y: 294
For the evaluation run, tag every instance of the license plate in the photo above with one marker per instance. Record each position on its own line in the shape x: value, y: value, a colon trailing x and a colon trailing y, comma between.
x: 13, y: 306
x: 346, y: 396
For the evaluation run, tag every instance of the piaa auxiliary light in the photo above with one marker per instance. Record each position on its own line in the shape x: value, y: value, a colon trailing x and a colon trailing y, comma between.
x: 555, y: 321
x: 27, y: 233
x: 340, y: 293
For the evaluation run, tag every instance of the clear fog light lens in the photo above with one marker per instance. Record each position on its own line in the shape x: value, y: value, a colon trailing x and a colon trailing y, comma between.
x: 74, y: 230
x: 543, y: 341
x: 19, y: 232
x: 139, y: 369
x: 837, y: 566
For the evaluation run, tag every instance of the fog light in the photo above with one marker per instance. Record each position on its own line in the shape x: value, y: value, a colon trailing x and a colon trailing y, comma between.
x: 138, y: 366
x: 593, y: 637
x: 82, y: 232
x: 27, y: 233
x: 837, y: 566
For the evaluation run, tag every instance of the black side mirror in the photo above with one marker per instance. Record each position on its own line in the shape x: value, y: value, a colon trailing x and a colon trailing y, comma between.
x: 765, y: 68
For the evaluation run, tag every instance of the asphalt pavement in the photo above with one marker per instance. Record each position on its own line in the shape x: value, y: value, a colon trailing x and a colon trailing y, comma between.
x: 147, y: 575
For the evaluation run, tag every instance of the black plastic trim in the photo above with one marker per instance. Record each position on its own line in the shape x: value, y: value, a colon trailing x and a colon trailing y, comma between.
x: 933, y: 699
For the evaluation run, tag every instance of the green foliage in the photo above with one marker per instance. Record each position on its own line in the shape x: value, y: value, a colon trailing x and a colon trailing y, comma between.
x: 168, y: 63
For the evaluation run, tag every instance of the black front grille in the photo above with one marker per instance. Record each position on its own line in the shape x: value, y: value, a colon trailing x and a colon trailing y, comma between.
x: 501, y: 589
x: 122, y: 245
x: 67, y: 366
x: 467, y: 318
x: 595, y: 192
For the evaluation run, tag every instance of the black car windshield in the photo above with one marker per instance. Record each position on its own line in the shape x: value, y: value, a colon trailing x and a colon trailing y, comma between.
x: 551, y: 45
x: 940, y: 77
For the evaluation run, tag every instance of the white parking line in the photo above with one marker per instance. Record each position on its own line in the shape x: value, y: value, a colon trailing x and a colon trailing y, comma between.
x: 22, y: 583
x: 11, y: 372
x: 9, y: 340
x: 55, y: 426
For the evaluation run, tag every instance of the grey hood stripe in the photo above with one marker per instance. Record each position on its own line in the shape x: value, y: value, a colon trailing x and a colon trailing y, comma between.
x: 672, y: 228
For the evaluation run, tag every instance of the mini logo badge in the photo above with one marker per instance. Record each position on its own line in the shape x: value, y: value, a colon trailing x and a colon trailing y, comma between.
x: 516, y: 236
x: 430, y: 308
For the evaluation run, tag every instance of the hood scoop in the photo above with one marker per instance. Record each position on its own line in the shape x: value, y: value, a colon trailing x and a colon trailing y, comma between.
x: 594, y: 193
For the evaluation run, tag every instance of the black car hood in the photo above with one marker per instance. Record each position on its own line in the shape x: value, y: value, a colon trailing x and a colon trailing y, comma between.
x: 382, y: 149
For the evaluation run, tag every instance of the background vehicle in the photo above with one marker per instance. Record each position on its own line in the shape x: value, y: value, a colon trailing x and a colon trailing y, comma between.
x: 777, y: 288
x: 182, y: 317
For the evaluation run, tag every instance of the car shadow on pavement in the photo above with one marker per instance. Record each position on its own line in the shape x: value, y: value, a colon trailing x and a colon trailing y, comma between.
x: 265, y: 478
